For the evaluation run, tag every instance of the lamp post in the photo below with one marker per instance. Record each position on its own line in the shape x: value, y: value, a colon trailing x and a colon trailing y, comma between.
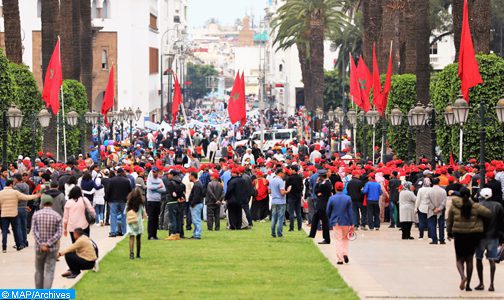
x: 461, y: 112
x: 372, y: 117
x: 111, y: 118
x: 416, y: 118
x: 330, y: 117
x: 362, y: 117
x: 43, y: 117
x: 13, y: 116
x: 171, y: 58
x: 352, y: 118
x: 340, y: 116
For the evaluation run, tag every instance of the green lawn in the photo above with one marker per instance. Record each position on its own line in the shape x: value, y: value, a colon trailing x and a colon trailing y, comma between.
x: 223, y: 265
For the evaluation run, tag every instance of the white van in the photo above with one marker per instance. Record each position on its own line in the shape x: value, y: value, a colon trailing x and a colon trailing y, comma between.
x: 271, y: 138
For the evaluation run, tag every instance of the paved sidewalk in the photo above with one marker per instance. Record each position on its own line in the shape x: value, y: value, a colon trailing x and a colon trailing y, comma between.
x: 18, y: 268
x: 382, y: 266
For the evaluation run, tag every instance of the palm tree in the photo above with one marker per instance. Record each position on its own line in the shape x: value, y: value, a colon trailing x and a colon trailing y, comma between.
x: 422, y: 36
x: 76, y: 40
x: 306, y: 25
x: 479, y: 19
x: 372, y: 11
x: 67, y: 38
x: 86, y: 49
x: 12, y: 25
x: 50, y: 29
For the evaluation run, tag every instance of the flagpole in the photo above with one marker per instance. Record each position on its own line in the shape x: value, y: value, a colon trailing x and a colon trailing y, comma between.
x: 64, y: 126
x: 374, y: 142
x: 57, y: 137
x: 187, y: 127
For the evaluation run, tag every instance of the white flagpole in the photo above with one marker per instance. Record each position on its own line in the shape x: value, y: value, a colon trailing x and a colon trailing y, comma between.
x: 64, y: 126
x: 57, y: 136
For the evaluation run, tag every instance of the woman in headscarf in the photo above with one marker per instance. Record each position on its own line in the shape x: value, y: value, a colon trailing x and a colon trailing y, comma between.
x: 407, y: 201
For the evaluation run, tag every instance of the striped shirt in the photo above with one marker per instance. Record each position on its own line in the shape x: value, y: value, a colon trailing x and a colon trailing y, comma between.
x: 47, y: 228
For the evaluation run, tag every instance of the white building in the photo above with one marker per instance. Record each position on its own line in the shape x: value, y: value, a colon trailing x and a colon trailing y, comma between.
x: 129, y: 37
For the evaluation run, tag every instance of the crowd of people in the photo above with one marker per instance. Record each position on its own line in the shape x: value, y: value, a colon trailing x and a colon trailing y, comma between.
x: 176, y: 188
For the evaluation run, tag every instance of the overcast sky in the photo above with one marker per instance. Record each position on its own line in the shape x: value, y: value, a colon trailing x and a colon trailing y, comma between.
x: 226, y: 11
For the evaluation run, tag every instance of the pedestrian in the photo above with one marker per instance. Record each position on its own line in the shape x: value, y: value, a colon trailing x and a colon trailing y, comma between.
x: 47, y: 230
x: 22, y: 217
x: 294, y: 183
x: 74, y: 215
x: 99, y: 200
x: 175, y: 203
x: 9, y: 202
x: 437, y: 199
x: 118, y: 189
x: 56, y: 197
x: 234, y: 198
x: 278, y: 203
x: 422, y: 206
x: 260, y: 203
x: 81, y: 255
x: 354, y: 190
x: 393, y: 185
x: 407, y: 200
x: 213, y: 199
x: 465, y: 226
x: 340, y: 214
x: 494, y: 231
x: 196, y: 201
x: 135, y: 214
x: 373, y: 191
x: 155, y: 188
x: 323, y: 190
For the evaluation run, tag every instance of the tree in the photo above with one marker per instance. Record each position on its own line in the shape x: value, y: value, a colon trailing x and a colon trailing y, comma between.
x: 422, y: 35
x: 479, y: 21
x: 67, y: 39
x: 12, y: 25
x: 332, y: 89
x: 197, y: 75
x: 86, y: 50
x: 372, y: 10
x: 76, y: 38
x: 50, y: 29
x: 306, y: 25
x: 497, y: 21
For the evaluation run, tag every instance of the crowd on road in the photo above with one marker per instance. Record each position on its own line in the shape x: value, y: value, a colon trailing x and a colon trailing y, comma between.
x: 176, y: 187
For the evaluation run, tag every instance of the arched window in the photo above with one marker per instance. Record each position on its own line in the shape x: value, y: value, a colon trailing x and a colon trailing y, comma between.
x: 106, y: 9
x: 39, y: 8
x: 94, y: 10
x: 104, y: 59
x: 280, y: 68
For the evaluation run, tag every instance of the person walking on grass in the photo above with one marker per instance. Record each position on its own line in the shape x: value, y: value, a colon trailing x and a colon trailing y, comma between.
x: 135, y: 214
x: 47, y: 230
x: 214, y: 197
x: 196, y: 202
x: 494, y: 230
x: 465, y: 226
x: 278, y: 203
x: 340, y: 214
x: 155, y: 188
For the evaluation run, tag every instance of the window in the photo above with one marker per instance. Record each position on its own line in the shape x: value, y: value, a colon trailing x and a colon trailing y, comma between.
x: 153, y: 22
x: 94, y: 10
x: 104, y: 59
x: 105, y: 14
x: 433, y: 49
x: 153, y: 61
x: 282, y: 135
x: 39, y: 8
x: 280, y: 68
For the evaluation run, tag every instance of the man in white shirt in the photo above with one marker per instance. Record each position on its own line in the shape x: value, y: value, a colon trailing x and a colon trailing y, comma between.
x: 212, y: 151
x: 248, y: 155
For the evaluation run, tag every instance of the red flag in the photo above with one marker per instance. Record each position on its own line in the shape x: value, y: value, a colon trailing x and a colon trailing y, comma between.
x: 354, y: 84
x: 388, y: 81
x: 452, y: 161
x: 236, y: 105
x: 53, y: 80
x: 177, y: 99
x: 365, y: 83
x: 108, y: 98
x: 377, y: 101
x: 468, y: 70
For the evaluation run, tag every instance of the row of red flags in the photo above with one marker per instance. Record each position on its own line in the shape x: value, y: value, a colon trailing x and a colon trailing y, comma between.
x: 362, y: 81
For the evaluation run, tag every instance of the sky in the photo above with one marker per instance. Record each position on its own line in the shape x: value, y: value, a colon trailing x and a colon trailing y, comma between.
x: 226, y: 11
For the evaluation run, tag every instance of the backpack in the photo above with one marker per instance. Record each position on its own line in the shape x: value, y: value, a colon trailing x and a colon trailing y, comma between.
x: 95, y: 247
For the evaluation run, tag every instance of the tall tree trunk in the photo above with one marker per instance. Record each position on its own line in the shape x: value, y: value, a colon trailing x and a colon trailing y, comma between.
x: 50, y: 29
x: 67, y: 39
x: 86, y: 51
x: 479, y: 21
x: 12, y: 25
x: 317, y: 59
x: 407, y: 41
x: 372, y: 10
x: 305, y: 75
x: 76, y: 40
x: 423, y: 145
x: 392, y: 10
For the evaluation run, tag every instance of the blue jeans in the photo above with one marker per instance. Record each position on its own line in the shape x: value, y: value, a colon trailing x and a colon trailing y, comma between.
x: 392, y: 214
x: 433, y: 223
x: 277, y: 217
x: 22, y: 226
x: 373, y: 214
x: 116, y: 213
x: 5, y: 228
x: 99, y: 210
x: 196, y: 219
x: 422, y: 223
x: 360, y: 214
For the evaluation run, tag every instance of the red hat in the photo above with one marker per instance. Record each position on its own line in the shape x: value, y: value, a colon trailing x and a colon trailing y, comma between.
x: 148, y: 165
x: 215, y: 175
x: 317, y: 160
x: 259, y: 174
x: 235, y: 170
x: 241, y: 169
x: 490, y: 175
x: 339, y: 186
x: 472, y: 160
x: 49, y: 154
x: 371, y: 175
x: 40, y: 153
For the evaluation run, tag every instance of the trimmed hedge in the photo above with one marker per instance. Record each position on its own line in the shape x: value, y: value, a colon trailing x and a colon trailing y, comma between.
x: 76, y: 99
x: 445, y: 90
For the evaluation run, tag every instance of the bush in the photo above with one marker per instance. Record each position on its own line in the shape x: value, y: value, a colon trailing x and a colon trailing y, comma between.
x: 75, y: 97
x: 446, y: 89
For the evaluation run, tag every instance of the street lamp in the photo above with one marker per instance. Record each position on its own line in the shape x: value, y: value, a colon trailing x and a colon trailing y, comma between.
x: 330, y: 117
x: 111, y: 116
x: 15, y: 116
x: 138, y: 113
x: 44, y: 117
x: 499, y: 109
x: 396, y: 116
x: 372, y: 117
x: 461, y: 112
x: 352, y: 119
x: 362, y: 117
x: 418, y: 116
x: 449, y: 116
x: 340, y: 116
x: 72, y: 118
